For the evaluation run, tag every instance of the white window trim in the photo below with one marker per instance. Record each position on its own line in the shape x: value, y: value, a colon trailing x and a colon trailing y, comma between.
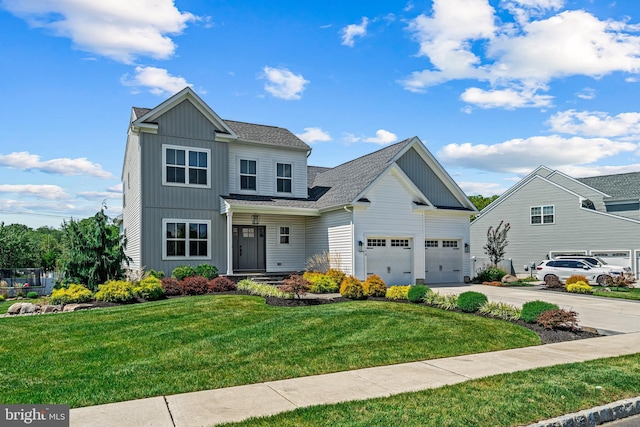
x: 281, y: 177
x: 187, y: 150
x: 280, y: 234
x: 542, y: 215
x: 239, y: 175
x: 165, y: 221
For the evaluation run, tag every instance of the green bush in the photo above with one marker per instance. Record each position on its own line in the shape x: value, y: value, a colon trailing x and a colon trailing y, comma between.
x: 397, y: 292
x: 182, y: 271
x: 119, y: 291
x: 336, y: 275
x: 470, y: 301
x: 156, y: 274
x: 254, y: 288
x: 321, y: 283
x: 206, y: 270
x: 32, y: 295
x: 352, y: 288
x: 501, y: 310
x: 491, y: 274
x: 374, y: 286
x: 532, y: 309
x: 71, y: 294
x: 149, y: 288
x: 445, y: 302
x: 1, y: 298
x: 417, y: 292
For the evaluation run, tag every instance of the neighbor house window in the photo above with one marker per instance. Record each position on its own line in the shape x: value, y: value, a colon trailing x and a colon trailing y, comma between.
x: 283, y: 177
x: 186, y: 166
x: 284, y: 235
x: 542, y: 214
x: 184, y: 239
x: 247, y: 175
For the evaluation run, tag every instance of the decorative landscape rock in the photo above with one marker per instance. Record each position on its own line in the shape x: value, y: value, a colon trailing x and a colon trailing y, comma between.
x: 509, y: 279
x: 47, y: 308
x: 76, y: 307
x: 15, y: 308
x: 28, y: 308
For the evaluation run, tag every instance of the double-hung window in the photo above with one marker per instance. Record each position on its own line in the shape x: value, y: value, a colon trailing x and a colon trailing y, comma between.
x: 186, y: 166
x: 543, y: 214
x: 285, y: 234
x: 186, y: 239
x: 248, y: 174
x: 283, y: 179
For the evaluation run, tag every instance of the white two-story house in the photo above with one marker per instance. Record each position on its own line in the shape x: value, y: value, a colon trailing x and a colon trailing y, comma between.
x: 202, y: 190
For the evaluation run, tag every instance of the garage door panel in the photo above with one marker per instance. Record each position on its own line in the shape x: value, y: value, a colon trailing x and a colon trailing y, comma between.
x: 390, y: 258
x: 443, y: 261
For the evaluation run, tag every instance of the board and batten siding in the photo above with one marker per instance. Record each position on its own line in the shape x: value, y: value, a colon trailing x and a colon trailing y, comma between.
x: 333, y: 233
x: 390, y: 214
x: 280, y: 257
x: 450, y: 225
x: 575, y: 228
x: 426, y: 180
x: 266, y: 159
x: 132, y: 202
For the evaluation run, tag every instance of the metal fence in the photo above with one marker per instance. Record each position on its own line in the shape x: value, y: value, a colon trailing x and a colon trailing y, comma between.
x: 20, y: 281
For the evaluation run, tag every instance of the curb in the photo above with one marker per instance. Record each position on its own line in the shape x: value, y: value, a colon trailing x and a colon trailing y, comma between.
x: 595, y: 416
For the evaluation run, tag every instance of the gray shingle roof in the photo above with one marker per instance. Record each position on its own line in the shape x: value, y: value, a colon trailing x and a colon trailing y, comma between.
x: 139, y: 112
x: 266, y: 134
x: 283, y: 202
x: 621, y: 186
x: 312, y: 172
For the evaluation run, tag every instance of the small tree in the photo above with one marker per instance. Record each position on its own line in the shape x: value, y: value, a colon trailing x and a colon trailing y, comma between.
x: 497, y: 242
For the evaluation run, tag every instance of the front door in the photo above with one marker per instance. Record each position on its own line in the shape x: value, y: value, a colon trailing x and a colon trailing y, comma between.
x: 249, y: 248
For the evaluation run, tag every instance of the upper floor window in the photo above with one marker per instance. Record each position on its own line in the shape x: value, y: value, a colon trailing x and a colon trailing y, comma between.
x: 542, y: 214
x: 283, y: 178
x: 185, y: 166
x: 248, y: 175
x: 184, y: 238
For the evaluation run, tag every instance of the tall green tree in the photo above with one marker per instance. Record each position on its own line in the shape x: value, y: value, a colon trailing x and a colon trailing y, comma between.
x: 18, y: 247
x: 481, y: 202
x: 497, y: 242
x: 93, y: 251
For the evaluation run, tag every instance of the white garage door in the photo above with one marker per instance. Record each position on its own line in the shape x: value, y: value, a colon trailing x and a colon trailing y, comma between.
x: 390, y: 258
x: 622, y: 258
x: 443, y: 261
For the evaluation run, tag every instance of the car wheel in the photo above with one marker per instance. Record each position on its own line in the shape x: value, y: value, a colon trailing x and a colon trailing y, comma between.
x: 603, y: 279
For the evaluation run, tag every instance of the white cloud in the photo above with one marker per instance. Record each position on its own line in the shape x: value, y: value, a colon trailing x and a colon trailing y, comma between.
x: 314, y: 134
x: 595, y: 170
x: 350, y: 32
x: 52, y: 192
x: 283, y: 84
x: 586, y: 93
x: 350, y: 138
x: 524, y: 10
x: 522, y: 155
x: 100, y: 195
x: 481, y: 188
x: 505, y: 98
x: 24, y: 160
x: 383, y: 137
x: 595, y: 123
x: 115, y: 188
x: 157, y: 80
x: 118, y: 29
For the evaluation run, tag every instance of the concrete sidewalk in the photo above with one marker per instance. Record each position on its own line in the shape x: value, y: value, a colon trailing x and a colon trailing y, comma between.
x: 205, y: 408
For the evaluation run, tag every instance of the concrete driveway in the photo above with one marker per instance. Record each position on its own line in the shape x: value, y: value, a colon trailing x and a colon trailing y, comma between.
x: 607, y: 315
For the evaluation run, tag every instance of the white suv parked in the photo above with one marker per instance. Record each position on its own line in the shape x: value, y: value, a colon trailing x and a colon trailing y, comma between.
x: 565, y: 268
x: 598, y: 262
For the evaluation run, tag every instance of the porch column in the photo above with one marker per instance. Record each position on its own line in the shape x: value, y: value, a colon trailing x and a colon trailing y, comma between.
x: 229, y: 242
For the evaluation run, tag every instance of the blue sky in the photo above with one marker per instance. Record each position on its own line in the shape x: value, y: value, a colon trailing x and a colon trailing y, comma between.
x: 493, y: 88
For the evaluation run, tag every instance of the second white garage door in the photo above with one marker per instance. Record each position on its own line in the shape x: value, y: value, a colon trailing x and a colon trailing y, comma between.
x: 443, y: 261
x: 390, y: 258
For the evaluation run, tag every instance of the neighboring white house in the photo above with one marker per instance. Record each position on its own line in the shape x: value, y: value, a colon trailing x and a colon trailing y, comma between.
x: 240, y: 196
x: 553, y: 214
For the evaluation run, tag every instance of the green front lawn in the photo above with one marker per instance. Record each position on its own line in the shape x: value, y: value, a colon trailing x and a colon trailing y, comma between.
x: 507, y: 400
x: 632, y: 294
x: 196, y: 343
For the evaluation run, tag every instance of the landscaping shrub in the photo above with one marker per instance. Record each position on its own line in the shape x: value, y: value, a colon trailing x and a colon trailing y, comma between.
x: 576, y: 278
x: 532, y: 309
x: 552, y: 282
x: 222, y: 284
x: 352, y: 288
x: 501, y: 310
x: 206, y: 270
x: 119, y: 291
x: 32, y: 295
x: 491, y: 274
x: 579, y: 288
x: 156, y: 274
x: 323, y: 284
x: 313, y: 276
x: 417, y: 292
x: 445, y: 302
x: 149, y: 288
x: 336, y: 275
x: 259, y: 289
x: 397, y: 293
x: 182, y: 271
x: 171, y: 286
x: 296, y: 285
x: 470, y: 301
x: 374, y: 286
x: 559, y: 319
x: 194, y: 285
x: 1, y: 298
x: 71, y: 294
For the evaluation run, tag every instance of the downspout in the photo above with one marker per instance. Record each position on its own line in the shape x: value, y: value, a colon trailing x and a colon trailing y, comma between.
x: 353, y: 242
